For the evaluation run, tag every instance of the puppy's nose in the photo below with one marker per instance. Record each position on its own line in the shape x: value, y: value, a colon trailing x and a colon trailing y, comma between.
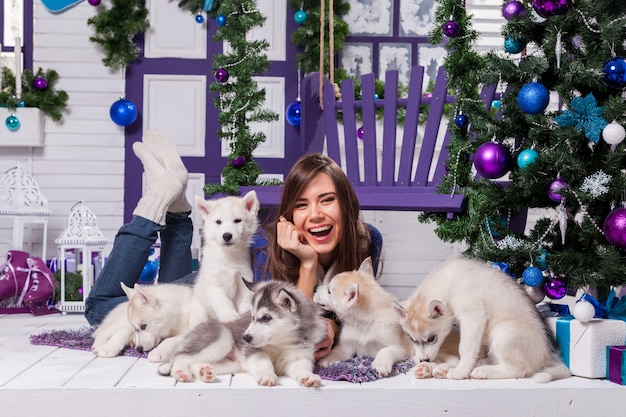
x: 227, y: 237
x: 247, y: 337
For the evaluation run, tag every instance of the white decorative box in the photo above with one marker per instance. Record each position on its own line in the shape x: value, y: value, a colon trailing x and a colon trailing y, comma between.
x: 583, y: 345
x: 31, y: 130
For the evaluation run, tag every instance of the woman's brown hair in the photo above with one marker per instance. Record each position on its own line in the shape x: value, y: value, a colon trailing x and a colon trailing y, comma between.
x: 353, y: 246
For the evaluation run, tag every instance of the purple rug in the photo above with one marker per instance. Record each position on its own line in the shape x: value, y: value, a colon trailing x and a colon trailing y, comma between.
x: 79, y: 339
x: 358, y: 369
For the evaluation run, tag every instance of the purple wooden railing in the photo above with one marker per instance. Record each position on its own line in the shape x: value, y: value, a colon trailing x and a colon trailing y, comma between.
x: 382, y: 179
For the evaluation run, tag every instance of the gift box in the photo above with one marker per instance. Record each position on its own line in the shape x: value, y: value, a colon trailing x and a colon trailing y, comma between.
x: 584, y: 345
x: 616, y: 364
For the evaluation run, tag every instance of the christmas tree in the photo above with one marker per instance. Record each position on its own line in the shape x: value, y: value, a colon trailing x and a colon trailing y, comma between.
x: 239, y: 100
x: 551, y: 143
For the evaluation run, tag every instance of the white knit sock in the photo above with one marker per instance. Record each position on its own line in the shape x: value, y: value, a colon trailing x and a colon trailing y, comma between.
x: 161, y: 189
x: 166, y: 150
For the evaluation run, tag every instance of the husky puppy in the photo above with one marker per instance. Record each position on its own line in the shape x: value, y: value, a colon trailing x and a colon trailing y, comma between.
x: 491, y: 310
x: 229, y: 226
x: 277, y: 338
x: 150, y: 320
x: 370, y: 325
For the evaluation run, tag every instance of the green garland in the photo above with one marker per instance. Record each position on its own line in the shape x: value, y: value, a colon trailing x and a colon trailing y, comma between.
x: 116, y: 28
x: 51, y: 101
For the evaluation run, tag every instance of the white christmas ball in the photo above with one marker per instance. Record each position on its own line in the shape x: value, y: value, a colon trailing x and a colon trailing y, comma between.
x: 583, y: 311
x: 613, y: 133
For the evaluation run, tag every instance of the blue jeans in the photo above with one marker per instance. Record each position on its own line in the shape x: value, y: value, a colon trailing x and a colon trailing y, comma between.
x: 131, y: 249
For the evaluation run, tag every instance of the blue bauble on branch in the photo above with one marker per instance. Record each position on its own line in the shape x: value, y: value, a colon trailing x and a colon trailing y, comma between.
x: 461, y: 121
x: 514, y: 46
x: 526, y: 158
x: 293, y: 113
x: 221, y: 20
x: 532, y: 276
x: 615, y: 72
x: 123, y: 112
x: 300, y: 17
x: 533, y: 98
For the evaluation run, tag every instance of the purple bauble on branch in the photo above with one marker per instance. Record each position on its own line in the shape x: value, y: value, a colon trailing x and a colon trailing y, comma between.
x: 547, y: 8
x: 221, y: 75
x: 513, y: 9
x: 555, y: 188
x: 93, y: 2
x: 451, y: 29
x: 492, y: 160
x: 555, y: 288
x: 615, y: 227
x: 238, y: 162
x: 40, y: 83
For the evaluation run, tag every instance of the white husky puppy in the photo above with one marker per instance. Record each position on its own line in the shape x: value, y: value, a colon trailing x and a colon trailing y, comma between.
x: 229, y: 226
x: 370, y: 325
x: 491, y: 309
x: 277, y: 338
x: 150, y: 320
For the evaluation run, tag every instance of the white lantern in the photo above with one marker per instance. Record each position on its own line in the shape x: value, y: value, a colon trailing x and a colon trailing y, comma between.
x: 22, y: 201
x: 85, y: 241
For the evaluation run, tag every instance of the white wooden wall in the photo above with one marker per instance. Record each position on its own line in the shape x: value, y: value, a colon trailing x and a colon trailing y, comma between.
x: 83, y: 155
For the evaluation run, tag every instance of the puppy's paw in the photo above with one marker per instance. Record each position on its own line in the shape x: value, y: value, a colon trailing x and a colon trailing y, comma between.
x: 310, y: 380
x: 479, y: 373
x: 182, y: 375
x: 205, y: 373
x: 156, y: 355
x: 267, y: 380
x: 441, y: 370
x: 422, y: 370
x: 107, y: 351
x: 456, y: 373
x: 383, y: 368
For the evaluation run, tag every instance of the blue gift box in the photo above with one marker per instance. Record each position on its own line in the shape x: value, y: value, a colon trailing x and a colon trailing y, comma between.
x: 616, y: 364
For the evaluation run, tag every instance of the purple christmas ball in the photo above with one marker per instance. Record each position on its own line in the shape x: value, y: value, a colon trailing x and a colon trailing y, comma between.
x: 40, y: 83
x: 93, y: 2
x: 615, y: 227
x: 547, y: 8
x: 555, y: 288
x: 360, y: 133
x: 221, y: 75
x: 555, y: 188
x: 451, y: 29
x: 238, y: 162
x: 492, y: 160
x: 513, y: 9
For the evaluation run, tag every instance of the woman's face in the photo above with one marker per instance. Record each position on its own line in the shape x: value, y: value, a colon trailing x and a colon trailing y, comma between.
x: 317, y: 214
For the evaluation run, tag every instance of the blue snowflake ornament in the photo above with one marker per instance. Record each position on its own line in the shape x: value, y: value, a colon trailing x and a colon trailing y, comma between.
x: 584, y: 115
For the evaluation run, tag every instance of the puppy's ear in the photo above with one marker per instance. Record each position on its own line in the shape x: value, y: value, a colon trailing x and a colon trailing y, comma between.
x: 145, y: 297
x: 203, y: 205
x: 251, y: 202
x: 286, y: 300
x: 127, y: 290
x: 352, y: 294
x: 249, y: 284
x: 436, y: 309
x: 366, y: 267
x: 399, y: 308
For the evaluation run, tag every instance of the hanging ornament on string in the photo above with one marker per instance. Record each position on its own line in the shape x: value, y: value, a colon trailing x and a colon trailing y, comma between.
x: 123, y: 112
x: 300, y: 16
x: 615, y: 72
x: 514, y: 46
x: 555, y: 288
x: 461, y: 121
x: 221, y: 75
x: 199, y: 19
x: 94, y: 2
x: 293, y: 113
x: 526, y: 158
x: 513, y: 10
x: 238, y: 162
x: 12, y: 123
x: 533, y: 98
x: 360, y: 133
x: 532, y: 276
x: 555, y: 188
x: 548, y: 8
x: 221, y: 20
x: 562, y: 220
x: 614, y: 227
x: 40, y: 83
x: 536, y: 294
x: 492, y: 159
x: 451, y: 28
x: 558, y: 49
x: 613, y: 134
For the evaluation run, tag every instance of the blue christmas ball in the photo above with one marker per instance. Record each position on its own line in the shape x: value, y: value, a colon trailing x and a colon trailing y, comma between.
x: 12, y: 123
x: 615, y: 72
x: 533, y: 98
x: 514, y: 46
x: 149, y: 272
x: 532, y: 276
x: 199, y: 18
x: 221, y: 20
x: 526, y: 157
x: 293, y: 113
x: 461, y: 121
x: 123, y: 112
x: 300, y: 17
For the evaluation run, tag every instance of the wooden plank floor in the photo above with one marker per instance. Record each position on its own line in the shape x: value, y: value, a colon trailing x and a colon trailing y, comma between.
x: 43, y: 381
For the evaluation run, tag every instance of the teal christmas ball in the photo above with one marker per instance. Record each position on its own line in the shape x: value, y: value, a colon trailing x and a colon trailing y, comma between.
x: 12, y: 123
x: 526, y: 158
x: 532, y: 276
x: 300, y: 17
x: 533, y: 98
x: 123, y: 112
x: 514, y: 46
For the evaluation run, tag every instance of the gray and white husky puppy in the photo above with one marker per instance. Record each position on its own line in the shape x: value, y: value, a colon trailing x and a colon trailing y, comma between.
x: 277, y: 338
